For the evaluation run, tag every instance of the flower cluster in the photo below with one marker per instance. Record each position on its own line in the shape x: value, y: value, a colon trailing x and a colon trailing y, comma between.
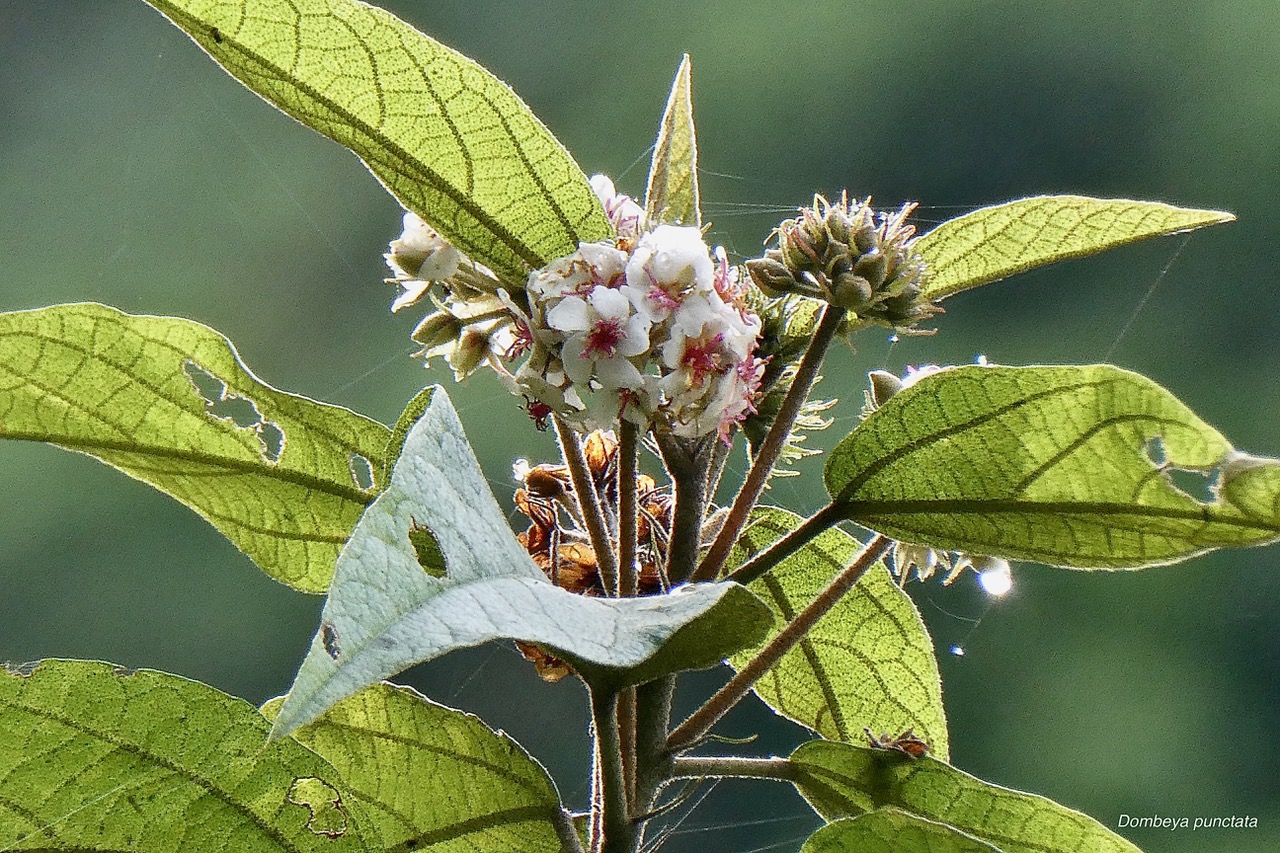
x: 651, y: 326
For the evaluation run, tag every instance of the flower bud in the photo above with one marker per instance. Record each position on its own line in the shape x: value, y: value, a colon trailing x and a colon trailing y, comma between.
x: 438, y: 329
x: 883, y: 386
x: 771, y: 276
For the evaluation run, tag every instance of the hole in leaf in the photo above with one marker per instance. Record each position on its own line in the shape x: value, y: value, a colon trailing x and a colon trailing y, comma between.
x: 239, y: 410
x: 362, y: 472
x: 329, y: 639
x: 427, y: 549
x: 1197, y: 485
x: 272, y: 440
x: 1200, y: 486
x: 322, y: 800
x: 1155, y: 451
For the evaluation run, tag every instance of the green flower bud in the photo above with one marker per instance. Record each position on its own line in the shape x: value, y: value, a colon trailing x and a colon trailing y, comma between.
x: 437, y: 330
x: 771, y: 276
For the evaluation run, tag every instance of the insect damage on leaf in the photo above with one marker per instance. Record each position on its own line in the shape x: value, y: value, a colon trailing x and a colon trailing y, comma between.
x: 328, y: 815
x: 236, y: 409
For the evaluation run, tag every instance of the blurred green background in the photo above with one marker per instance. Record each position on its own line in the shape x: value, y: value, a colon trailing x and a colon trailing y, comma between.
x: 134, y: 172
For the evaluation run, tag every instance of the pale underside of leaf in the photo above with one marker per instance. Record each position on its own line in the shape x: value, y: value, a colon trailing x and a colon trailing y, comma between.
x: 998, y: 241
x: 841, y: 780
x: 892, y: 831
x: 431, y: 777
x: 448, y: 139
x: 385, y: 613
x: 868, y: 663
x: 1070, y: 466
x: 95, y: 758
x: 672, y: 194
x: 168, y: 402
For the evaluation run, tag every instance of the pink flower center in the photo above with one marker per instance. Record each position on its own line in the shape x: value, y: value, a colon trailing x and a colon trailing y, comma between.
x: 703, y: 358
x: 604, y: 337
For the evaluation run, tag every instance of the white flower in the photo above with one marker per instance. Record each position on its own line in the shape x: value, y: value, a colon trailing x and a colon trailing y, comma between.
x: 669, y: 263
x: 626, y: 216
x: 601, y: 333
x: 418, y: 257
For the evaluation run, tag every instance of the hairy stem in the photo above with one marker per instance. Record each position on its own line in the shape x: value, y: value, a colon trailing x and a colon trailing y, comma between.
x: 686, y: 463
x: 588, y: 504
x: 701, y: 721
x: 627, y: 738
x: 628, y: 509
x: 786, y: 546
x: 732, y: 767
x: 619, y: 832
x: 565, y: 831
x: 774, y: 442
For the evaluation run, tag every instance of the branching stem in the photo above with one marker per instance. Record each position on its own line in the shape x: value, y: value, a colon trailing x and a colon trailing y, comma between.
x: 732, y: 767
x: 786, y: 546
x: 774, y: 441
x: 701, y: 721
x: 584, y: 489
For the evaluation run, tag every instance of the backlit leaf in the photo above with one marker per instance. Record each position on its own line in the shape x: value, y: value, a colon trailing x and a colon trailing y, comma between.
x: 840, y: 780
x: 868, y: 663
x: 993, y: 242
x: 672, y: 195
x: 1070, y: 466
x: 385, y: 613
x: 892, y: 831
x: 432, y: 778
x: 452, y: 142
x: 168, y: 402
x: 94, y: 758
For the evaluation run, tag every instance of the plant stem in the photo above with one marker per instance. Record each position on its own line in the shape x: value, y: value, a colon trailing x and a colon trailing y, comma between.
x: 774, y: 441
x: 627, y: 738
x: 628, y: 509
x: 565, y: 831
x: 687, y: 466
x: 619, y: 833
x: 588, y: 504
x: 733, y: 767
x: 786, y: 546
x: 701, y: 721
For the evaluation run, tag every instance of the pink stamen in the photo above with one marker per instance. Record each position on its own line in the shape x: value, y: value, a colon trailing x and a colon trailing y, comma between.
x: 703, y: 358
x: 522, y: 344
x: 604, y: 338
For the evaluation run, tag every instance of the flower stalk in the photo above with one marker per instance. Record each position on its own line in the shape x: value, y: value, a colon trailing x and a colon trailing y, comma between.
x: 774, y: 442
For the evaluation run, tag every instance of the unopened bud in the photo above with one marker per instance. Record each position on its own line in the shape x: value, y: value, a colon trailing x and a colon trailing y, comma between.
x: 438, y: 329
x: 883, y: 386
x: 771, y: 276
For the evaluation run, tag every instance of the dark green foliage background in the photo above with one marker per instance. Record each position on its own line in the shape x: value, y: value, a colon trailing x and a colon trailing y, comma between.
x: 135, y: 173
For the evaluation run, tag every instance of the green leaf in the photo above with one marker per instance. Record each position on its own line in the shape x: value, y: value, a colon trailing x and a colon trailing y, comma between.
x: 672, y: 195
x: 892, y: 831
x: 168, y: 402
x: 448, y: 139
x: 840, y: 780
x: 868, y: 663
x: 385, y: 613
x: 1070, y: 466
x: 432, y: 778
x: 95, y: 758
x: 993, y: 242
